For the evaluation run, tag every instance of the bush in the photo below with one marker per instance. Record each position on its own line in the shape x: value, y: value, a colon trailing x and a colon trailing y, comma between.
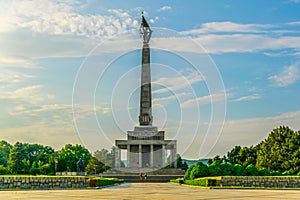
x: 240, y: 170
x: 34, y: 171
x: 298, y: 174
x: 264, y: 172
x: 252, y: 170
x: 276, y: 173
x: 199, y: 170
x: 287, y: 173
x: 45, y: 169
x: 178, y: 180
x: 196, y: 182
x: 3, y: 170
x: 188, y: 173
x: 204, y: 182
x: 227, y: 169
x: 214, y: 169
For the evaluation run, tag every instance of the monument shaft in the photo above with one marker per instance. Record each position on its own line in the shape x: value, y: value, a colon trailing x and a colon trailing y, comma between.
x: 145, y: 117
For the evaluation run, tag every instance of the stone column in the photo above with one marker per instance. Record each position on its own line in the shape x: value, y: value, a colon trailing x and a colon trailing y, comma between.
x: 163, y: 149
x: 140, y: 155
x: 117, y: 157
x: 151, y: 155
x: 175, y: 152
x: 128, y: 156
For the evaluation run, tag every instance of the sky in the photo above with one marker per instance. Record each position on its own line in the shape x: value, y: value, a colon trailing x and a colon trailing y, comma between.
x: 224, y: 72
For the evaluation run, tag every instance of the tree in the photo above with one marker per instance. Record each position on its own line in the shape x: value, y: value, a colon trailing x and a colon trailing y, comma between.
x: 280, y: 151
x: 217, y: 158
x: 5, y: 148
x: 94, y: 166
x: 22, y: 156
x: 234, y: 155
x: 243, y: 155
x: 69, y: 156
x: 17, y: 158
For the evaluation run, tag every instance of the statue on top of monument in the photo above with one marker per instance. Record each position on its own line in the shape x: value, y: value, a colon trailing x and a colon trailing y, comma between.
x: 145, y: 30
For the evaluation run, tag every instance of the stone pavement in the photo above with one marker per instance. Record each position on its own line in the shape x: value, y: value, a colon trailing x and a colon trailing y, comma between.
x: 149, y: 191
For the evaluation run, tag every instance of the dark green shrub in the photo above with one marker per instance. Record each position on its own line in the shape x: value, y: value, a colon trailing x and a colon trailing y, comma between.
x: 276, y: 173
x: 3, y: 170
x: 199, y: 170
x: 178, y: 180
x: 34, y: 171
x: 252, y: 170
x: 204, y: 182
x: 188, y: 172
x: 264, y: 172
x: 109, y: 181
x: 240, y: 170
x: 214, y: 169
x: 197, y: 182
x: 227, y: 169
x: 287, y: 173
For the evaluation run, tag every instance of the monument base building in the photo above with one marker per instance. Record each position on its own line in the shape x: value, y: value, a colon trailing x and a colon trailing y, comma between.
x: 146, y: 149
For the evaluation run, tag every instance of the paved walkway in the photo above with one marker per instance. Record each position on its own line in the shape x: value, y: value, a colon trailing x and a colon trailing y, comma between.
x: 149, y: 191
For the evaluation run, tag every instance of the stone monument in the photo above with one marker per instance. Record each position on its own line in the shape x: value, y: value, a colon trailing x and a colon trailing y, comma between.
x: 146, y: 146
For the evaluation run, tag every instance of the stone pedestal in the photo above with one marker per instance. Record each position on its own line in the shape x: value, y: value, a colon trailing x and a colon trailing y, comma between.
x: 146, y: 149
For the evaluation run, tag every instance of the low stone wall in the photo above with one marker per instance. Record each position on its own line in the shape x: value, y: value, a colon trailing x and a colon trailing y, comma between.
x: 42, y: 182
x: 260, y: 181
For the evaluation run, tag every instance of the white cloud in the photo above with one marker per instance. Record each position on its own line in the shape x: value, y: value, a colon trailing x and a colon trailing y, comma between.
x: 203, y: 100
x: 9, y: 77
x: 166, y: 100
x: 228, y: 26
x: 61, y: 18
x: 165, y: 8
x: 288, y: 76
x: 182, y: 81
x: 36, y: 110
x: 17, y: 62
x: 31, y: 94
x: 247, y: 98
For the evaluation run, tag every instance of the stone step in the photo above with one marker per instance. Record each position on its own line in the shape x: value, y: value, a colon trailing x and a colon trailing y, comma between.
x: 150, y: 178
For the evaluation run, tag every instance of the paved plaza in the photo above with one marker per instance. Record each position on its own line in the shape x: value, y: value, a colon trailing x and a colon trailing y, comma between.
x: 149, y: 191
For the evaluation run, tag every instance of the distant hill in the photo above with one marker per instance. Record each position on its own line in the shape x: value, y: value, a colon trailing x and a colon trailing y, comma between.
x: 192, y: 162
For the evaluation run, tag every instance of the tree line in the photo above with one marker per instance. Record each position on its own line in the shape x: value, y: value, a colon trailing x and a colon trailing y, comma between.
x: 24, y: 158
x: 278, y: 154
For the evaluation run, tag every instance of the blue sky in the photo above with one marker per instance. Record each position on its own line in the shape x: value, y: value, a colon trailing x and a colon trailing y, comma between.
x: 224, y: 73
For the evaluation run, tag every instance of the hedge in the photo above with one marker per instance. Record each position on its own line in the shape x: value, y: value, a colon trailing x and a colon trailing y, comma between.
x: 204, y: 182
x: 98, y: 182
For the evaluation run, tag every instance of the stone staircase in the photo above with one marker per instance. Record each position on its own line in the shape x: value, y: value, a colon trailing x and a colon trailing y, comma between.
x: 133, y: 174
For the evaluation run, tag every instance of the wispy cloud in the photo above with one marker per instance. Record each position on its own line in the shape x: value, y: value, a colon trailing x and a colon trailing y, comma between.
x: 31, y: 94
x: 247, y: 98
x: 182, y: 81
x: 288, y: 76
x: 10, y: 77
x: 203, y: 100
x: 213, y: 27
x: 166, y: 100
x: 165, y: 8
